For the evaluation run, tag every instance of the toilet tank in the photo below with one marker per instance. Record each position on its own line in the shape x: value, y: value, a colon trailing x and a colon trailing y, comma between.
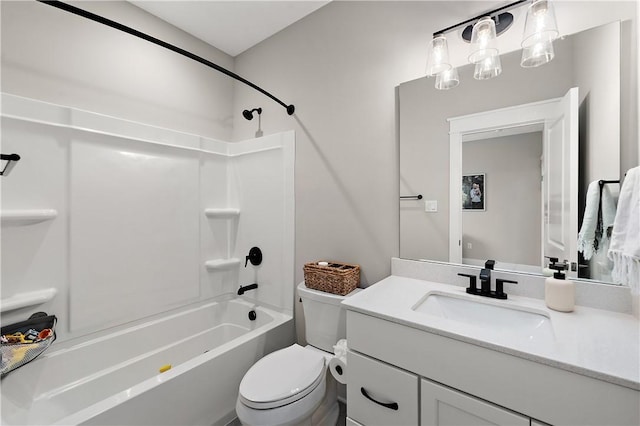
x: 324, y: 319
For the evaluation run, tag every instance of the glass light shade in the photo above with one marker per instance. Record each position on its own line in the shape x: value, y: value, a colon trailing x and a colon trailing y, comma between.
x: 438, y: 58
x: 540, y: 24
x: 488, y: 68
x: 483, y: 40
x: 537, y: 54
x: 447, y: 79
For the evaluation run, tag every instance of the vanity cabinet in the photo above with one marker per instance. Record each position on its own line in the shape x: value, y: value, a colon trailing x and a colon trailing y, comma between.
x: 440, y: 405
x: 436, y: 379
x: 381, y: 394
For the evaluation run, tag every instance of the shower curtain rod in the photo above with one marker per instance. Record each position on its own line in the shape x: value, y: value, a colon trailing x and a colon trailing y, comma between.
x: 118, y: 26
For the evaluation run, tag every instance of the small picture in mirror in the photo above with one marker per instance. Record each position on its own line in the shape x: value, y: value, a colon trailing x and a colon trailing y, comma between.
x: 473, y: 192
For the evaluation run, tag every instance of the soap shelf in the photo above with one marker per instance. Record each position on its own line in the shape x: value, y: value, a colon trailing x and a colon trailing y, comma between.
x: 27, y: 217
x: 229, y: 263
x: 30, y: 298
x: 228, y: 213
x: 222, y: 264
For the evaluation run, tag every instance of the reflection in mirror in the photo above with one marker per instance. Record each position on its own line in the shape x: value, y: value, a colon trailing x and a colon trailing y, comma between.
x: 512, y: 168
x: 556, y: 176
x: 589, y: 60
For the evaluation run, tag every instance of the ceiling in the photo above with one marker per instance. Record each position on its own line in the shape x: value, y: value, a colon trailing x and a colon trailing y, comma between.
x: 232, y: 26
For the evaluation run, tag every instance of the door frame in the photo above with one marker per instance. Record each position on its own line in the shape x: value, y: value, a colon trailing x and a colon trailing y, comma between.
x: 542, y: 112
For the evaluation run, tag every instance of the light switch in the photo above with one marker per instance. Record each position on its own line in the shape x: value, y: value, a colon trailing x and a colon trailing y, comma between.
x: 431, y: 206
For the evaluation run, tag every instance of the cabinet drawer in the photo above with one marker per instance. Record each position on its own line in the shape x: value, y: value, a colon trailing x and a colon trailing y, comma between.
x: 441, y: 405
x: 379, y: 394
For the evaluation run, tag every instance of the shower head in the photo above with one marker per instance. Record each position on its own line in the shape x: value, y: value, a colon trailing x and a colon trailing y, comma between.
x: 249, y: 114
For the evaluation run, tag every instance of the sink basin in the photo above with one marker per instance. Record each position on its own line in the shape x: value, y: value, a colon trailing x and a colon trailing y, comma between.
x: 489, y: 318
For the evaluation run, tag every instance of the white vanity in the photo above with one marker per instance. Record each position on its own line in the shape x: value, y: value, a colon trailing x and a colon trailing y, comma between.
x: 427, y: 353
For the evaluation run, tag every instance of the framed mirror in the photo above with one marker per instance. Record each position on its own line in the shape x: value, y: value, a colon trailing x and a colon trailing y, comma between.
x: 590, y: 61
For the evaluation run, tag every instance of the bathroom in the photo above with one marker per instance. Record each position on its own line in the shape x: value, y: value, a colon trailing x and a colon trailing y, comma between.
x: 341, y: 66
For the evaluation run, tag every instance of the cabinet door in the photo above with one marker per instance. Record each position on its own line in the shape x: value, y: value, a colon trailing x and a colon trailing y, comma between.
x: 350, y: 422
x: 380, y: 394
x: 444, y: 406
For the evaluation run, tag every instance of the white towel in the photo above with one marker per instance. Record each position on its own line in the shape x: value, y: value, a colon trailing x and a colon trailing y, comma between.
x: 587, y: 234
x: 596, y: 229
x: 609, y: 211
x: 624, y: 249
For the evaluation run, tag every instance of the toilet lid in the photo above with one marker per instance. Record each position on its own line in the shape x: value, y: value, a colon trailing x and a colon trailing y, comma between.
x: 282, y: 377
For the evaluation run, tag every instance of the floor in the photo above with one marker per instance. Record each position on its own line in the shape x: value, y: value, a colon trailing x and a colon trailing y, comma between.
x: 234, y: 422
x: 342, y: 417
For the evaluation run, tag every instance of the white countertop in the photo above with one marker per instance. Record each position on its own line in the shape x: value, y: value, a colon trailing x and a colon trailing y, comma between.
x: 592, y: 342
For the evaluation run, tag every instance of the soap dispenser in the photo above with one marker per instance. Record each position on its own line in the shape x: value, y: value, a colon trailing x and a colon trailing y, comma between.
x: 559, y: 293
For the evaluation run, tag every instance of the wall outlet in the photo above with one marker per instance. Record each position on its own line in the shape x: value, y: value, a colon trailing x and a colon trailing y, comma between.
x: 469, y: 246
x: 431, y: 206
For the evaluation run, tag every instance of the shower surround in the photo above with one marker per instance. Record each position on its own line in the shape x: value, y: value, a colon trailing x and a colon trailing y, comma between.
x: 107, y: 222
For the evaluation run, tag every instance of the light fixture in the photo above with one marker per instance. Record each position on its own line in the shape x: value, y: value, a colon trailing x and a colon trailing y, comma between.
x: 447, y: 79
x: 540, y: 30
x: 487, y: 68
x: 540, y: 25
x: 537, y: 54
x: 483, y: 41
x: 438, y: 59
x: 502, y: 20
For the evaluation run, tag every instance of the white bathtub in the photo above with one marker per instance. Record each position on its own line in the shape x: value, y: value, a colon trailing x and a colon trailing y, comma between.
x: 114, y: 379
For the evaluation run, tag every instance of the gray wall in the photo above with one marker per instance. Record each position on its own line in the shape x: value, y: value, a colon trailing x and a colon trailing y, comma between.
x: 53, y: 56
x: 513, y: 199
x: 599, y: 127
x: 340, y: 66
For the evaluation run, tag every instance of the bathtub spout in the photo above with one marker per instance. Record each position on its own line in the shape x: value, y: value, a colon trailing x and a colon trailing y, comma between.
x: 242, y: 289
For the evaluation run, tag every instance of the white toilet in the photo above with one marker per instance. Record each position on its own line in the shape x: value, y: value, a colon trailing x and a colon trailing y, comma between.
x: 294, y: 386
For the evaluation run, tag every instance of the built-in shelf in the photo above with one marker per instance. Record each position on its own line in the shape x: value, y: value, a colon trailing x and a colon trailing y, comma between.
x: 222, y: 213
x: 27, y: 217
x: 30, y: 298
x: 222, y: 264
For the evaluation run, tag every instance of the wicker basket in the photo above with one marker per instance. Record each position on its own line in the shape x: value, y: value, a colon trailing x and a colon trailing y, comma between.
x: 336, y: 278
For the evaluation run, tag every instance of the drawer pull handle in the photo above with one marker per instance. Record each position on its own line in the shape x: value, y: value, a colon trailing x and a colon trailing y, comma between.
x: 389, y: 405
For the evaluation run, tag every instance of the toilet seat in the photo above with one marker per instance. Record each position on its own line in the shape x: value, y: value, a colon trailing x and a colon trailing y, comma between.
x: 282, y: 377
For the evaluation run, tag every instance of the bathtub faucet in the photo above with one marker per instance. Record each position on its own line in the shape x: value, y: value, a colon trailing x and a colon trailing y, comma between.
x: 242, y: 289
